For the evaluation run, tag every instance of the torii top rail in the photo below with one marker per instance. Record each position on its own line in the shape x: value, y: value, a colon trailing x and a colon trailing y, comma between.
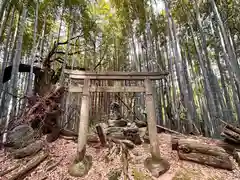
x: 115, y: 75
x: 87, y: 88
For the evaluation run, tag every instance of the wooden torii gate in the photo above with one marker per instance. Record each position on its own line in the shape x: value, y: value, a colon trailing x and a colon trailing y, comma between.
x: 87, y: 87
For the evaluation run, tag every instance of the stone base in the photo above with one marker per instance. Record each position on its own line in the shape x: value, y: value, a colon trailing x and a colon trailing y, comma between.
x: 157, y: 167
x: 80, y: 169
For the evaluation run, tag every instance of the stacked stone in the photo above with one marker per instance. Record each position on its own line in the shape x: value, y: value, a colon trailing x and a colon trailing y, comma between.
x: 120, y: 128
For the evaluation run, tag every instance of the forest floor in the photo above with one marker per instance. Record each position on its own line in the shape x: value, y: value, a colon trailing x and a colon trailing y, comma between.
x: 63, y: 151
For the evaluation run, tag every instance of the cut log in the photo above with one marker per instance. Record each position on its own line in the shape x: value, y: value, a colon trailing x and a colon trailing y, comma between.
x: 29, y: 150
x: 227, y: 146
x: 228, y: 138
x: 30, y: 165
x: 175, y: 140
x: 231, y: 135
x: 101, y: 135
x: 231, y: 127
x: 204, y: 154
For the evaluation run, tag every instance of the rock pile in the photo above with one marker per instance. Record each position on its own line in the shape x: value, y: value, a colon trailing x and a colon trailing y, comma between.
x: 123, y: 129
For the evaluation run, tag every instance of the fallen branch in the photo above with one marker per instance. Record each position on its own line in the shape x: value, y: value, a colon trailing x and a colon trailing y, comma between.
x: 231, y: 133
x: 9, y: 170
x: 54, y: 165
x: 229, y: 148
x: 231, y: 127
x: 29, y: 166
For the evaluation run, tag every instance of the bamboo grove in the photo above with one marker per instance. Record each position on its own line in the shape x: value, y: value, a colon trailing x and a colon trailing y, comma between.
x: 197, y: 41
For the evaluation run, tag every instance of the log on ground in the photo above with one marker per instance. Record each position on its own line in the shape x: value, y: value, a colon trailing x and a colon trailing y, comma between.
x: 29, y: 166
x: 229, y: 147
x: 29, y: 150
x: 2, y: 173
x: 175, y: 140
x: 231, y: 135
x: 204, y: 154
x: 232, y: 128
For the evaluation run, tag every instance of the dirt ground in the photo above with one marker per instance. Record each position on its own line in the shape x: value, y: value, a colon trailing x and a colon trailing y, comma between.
x: 63, y: 151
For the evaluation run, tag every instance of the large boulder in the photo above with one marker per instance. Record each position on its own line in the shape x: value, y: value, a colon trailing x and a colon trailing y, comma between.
x: 20, y: 136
